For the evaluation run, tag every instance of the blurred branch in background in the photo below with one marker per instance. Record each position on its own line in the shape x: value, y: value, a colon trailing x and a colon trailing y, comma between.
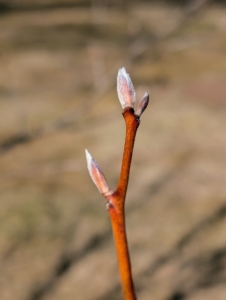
x: 100, y: 76
x: 187, y: 286
x: 58, y: 66
x: 102, y: 81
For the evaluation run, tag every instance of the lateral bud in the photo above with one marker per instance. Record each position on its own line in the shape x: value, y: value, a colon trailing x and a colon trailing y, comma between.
x: 125, y: 89
x: 97, y: 175
x: 142, y: 105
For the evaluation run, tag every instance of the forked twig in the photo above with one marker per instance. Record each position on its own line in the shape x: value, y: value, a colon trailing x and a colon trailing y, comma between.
x: 116, y: 200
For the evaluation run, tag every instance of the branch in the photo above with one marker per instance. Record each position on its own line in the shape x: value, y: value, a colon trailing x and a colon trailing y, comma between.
x: 116, y: 200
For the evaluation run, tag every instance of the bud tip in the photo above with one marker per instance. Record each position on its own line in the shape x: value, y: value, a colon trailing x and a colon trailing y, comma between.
x: 89, y: 161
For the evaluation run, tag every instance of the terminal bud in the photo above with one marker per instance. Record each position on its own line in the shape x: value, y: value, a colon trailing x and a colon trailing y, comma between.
x: 125, y: 89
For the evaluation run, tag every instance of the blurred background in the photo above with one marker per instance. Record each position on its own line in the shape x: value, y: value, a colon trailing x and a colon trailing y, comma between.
x: 58, y: 66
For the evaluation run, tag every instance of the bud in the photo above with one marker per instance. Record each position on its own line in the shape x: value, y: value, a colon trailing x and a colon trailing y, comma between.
x: 142, y: 105
x: 97, y: 175
x: 125, y: 89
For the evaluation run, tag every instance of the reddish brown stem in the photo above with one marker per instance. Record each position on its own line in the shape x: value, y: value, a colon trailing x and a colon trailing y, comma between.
x: 119, y: 231
x: 116, y: 207
x: 132, y: 123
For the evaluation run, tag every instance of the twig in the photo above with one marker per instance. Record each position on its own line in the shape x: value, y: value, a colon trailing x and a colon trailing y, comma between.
x: 116, y: 200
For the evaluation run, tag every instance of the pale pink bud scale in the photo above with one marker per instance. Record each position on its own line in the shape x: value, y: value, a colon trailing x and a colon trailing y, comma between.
x: 142, y: 105
x: 125, y: 89
x: 97, y: 175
